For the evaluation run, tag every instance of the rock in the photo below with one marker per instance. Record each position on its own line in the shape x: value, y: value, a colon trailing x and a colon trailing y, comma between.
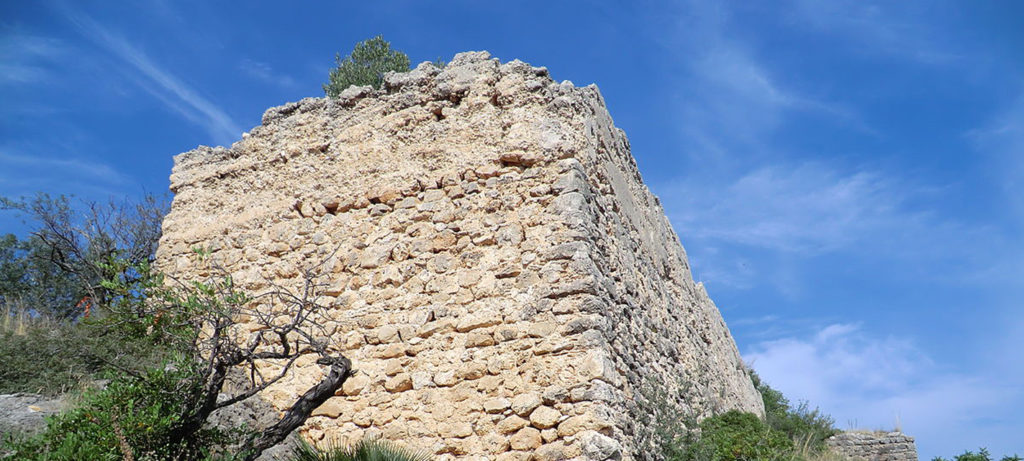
x: 527, y: 438
x: 24, y: 414
x: 600, y: 447
x: 545, y: 417
x: 399, y: 383
x: 496, y: 405
x: 524, y: 404
x: 512, y: 424
x: 355, y: 384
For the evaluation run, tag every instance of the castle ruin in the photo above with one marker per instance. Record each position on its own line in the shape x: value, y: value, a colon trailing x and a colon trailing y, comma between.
x: 502, y: 280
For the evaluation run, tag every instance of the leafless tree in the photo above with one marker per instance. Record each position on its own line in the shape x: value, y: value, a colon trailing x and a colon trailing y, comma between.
x: 82, y: 241
x: 202, y: 320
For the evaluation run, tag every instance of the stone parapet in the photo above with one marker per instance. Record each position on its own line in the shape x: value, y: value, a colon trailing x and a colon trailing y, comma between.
x: 874, y: 446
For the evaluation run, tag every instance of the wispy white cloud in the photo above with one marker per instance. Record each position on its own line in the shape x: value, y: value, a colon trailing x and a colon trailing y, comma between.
x: 731, y: 101
x: 95, y: 171
x: 877, y: 383
x: 904, y: 29
x: 765, y: 226
x: 263, y: 72
x: 27, y: 59
x: 1001, y: 143
x: 807, y: 208
x: 160, y: 83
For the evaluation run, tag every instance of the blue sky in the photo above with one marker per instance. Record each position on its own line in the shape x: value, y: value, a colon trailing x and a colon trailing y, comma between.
x: 846, y: 176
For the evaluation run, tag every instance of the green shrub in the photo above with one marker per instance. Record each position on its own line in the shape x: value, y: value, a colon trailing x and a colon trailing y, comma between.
x: 981, y: 455
x: 41, y: 355
x: 735, y: 435
x: 48, y: 360
x: 132, y: 418
x: 366, y: 65
x: 804, y: 426
x: 364, y: 450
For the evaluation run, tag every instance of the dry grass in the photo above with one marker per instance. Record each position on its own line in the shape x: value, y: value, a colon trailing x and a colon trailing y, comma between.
x: 804, y: 452
x: 19, y: 318
x: 16, y: 318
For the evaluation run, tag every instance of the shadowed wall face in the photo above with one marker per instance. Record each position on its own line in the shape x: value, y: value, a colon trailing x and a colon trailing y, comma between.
x: 495, y: 268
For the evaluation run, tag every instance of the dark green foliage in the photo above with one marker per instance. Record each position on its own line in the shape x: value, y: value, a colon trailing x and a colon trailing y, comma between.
x: 786, y: 433
x: 735, y: 435
x: 68, y: 254
x: 49, y: 358
x: 662, y: 421
x: 176, y: 345
x: 30, y: 281
x: 366, y: 65
x: 801, y: 424
x: 364, y: 450
x: 981, y: 455
x: 133, y: 414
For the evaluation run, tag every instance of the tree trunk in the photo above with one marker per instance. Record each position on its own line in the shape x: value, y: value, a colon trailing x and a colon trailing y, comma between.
x: 300, y: 411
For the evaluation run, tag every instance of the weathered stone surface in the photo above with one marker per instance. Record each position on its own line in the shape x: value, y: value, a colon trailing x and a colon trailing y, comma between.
x: 545, y: 417
x: 527, y: 438
x: 874, y: 446
x: 492, y: 262
x: 23, y: 414
x: 523, y: 404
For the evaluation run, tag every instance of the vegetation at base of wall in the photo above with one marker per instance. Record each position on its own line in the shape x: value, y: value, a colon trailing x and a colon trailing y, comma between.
x: 667, y: 426
x: 807, y: 428
x: 735, y: 435
x: 133, y: 417
x: 981, y: 455
x: 364, y: 450
x: 51, y: 283
x: 366, y: 65
x: 52, y: 357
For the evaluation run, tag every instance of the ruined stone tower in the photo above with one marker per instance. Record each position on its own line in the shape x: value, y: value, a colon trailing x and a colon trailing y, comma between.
x: 501, y: 278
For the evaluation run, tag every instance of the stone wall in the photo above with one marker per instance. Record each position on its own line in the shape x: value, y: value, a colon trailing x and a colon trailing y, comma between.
x: 499, y: 275
x: 874, y: 446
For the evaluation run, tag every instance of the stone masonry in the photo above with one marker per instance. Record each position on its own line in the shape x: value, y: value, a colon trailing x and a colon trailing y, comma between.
x: 874, y: 446
x: 500, y: 276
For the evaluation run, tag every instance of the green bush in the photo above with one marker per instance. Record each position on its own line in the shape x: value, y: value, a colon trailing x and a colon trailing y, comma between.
x: 176, y: 343
x: 364, y: 450
x: 735, y: 435
x: 29, y: 279
x: 366, y: 65
x: 59, y: 269
x: 786, y: 433
x: 42, y: 355
x: 46, y: 359
x: 809, y: 428
x: 981, y: 455
x: 132, y: 418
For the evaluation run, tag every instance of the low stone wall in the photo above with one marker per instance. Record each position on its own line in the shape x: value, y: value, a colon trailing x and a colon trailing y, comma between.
x: 874, y: 446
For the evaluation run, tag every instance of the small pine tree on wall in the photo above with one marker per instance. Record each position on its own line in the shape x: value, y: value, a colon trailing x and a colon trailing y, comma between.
x: 366, y: 65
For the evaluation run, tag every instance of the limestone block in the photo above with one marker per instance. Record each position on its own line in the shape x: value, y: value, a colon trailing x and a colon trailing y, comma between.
x: 524, y: 404
x: 526, y: 438
x: 496, y: 405
x: 599, y: 447
x: 545, y: 417
x: 512, y: 424
x: 479, y: 339
x: 476, y: 320
x: 399, y: 383
x: 354, y: 385
x: 332, y: 408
